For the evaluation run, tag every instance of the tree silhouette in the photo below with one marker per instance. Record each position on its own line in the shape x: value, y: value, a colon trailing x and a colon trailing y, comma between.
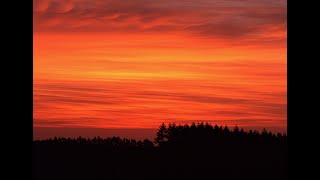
x: 162, y: 135
x: 181, y: 151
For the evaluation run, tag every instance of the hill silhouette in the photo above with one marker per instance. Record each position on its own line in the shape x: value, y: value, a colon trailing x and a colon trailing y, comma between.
x: 196, y: 151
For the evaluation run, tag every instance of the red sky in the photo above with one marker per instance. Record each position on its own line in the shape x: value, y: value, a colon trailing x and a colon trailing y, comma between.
x: 135, y: 64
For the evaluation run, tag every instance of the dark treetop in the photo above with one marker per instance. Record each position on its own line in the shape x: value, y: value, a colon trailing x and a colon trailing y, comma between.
x: 196, y: 151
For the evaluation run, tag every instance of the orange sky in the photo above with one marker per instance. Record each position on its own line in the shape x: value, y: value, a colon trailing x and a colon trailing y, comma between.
x: 135, y: 64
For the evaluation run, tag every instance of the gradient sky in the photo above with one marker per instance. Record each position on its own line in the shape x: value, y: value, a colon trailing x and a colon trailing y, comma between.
x: 137, y: 63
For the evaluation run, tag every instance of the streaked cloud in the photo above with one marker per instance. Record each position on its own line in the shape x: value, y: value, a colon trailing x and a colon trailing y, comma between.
x: 135, y: 64
x: 214, y: 18
x: 146, y: 103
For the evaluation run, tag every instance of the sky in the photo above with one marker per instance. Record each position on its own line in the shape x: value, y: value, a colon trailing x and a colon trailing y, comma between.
x: 136, y: 64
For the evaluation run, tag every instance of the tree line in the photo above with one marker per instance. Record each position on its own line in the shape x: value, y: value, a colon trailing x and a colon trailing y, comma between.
x: 180, y: 134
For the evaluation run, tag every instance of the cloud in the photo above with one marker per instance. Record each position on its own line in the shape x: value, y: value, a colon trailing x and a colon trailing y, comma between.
x: 40, y: 5
x: 61, y: 6
x: 111, y: 104
x: 215, y: 18
x: 52, y: 6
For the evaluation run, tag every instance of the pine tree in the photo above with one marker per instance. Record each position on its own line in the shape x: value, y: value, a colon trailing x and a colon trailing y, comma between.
x: 162, y: 135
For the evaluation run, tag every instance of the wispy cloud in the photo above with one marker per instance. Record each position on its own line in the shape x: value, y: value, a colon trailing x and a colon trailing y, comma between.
x: 125, y: 63
x: 214, y: 18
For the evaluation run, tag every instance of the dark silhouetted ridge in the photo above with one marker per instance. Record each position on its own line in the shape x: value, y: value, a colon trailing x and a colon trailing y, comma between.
x: 196, y: 151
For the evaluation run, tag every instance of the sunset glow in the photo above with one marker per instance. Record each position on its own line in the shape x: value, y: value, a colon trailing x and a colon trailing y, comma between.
x: 135, y: 64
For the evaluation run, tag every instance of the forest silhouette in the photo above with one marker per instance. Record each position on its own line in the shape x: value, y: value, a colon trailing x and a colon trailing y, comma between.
x: 196, y: 151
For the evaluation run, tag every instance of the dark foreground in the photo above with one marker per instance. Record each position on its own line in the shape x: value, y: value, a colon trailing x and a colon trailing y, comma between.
x: 181, y: 152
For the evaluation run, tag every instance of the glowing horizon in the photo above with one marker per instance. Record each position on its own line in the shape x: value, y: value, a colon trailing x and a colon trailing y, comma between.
x: 136, y: 64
